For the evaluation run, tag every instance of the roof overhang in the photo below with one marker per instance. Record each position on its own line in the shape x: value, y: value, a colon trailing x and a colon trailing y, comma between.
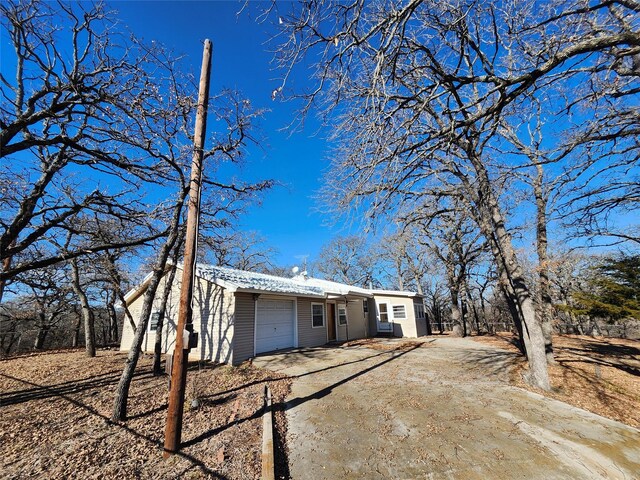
x: 348, y: 296
x: 273, y: 292
x: 396, y: 293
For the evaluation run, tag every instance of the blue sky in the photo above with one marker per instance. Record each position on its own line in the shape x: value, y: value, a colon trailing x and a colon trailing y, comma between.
x: 241, y: 60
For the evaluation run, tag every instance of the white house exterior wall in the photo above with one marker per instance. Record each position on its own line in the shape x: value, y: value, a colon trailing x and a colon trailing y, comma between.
x: 401, y: 327
x: 212, y: 320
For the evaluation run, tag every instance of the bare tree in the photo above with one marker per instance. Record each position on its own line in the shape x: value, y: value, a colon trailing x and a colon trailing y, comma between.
x: 348, y: 260
x: 221, y: 203
x: 420, y: 88
x: 405, y: 261
x: 241, y: 250
x: 81, y: 101
x: 162, y: 310
x: 436, y: 305
x: 454, y: 241
x: 49, y: 297
x: 87, y: 312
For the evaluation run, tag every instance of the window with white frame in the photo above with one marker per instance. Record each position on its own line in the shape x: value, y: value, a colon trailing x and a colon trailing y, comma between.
x: 153, y: 321
x: 419, y: 311
x: 384, y: 314
x: 399, y: 312
x: 342, y: 314
x: 317, y: 315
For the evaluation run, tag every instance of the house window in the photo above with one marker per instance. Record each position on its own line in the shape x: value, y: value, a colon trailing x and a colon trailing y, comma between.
x: 419, y: 311
x: 342, y: 314
x: 384, y: 314
x: 317, y: 315
x: 153, y: 323
x: 399, y: 312
x: 365, y: 307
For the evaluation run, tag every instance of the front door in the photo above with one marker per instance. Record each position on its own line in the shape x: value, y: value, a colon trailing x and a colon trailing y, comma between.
x: 331, y: 321
x: 383, y: 318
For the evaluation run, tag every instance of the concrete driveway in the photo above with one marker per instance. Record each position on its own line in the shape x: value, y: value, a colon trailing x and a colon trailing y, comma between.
x: 438, y: 409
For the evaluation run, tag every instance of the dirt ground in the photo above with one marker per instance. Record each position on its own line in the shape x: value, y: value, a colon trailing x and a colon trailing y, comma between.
x: 55, y: 409
x: 601, y: 375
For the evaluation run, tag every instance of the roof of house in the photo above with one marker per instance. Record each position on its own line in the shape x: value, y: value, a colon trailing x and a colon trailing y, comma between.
x: 243, y: 280
x: 395, y: 293
x: 300, y: 285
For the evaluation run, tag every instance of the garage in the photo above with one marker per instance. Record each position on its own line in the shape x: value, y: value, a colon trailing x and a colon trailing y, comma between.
x: 274, y: 325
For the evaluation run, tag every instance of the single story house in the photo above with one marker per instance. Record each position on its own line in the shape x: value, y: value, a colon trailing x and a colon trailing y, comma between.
x: 239, y: 314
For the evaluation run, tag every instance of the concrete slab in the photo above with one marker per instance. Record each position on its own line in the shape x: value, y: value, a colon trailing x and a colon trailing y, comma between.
x: 441, y: 409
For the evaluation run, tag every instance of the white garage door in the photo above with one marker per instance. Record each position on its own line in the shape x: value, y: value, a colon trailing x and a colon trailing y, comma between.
x: 274, y: 325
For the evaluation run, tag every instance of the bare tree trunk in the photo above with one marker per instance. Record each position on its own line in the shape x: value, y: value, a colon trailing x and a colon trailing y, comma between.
x: 41, y: 336
x: 75, y: 340
x: 456, y: 315
x: 116, y: 281
x: 476, y: 317
x: 157, y: 348
x: 113, y: 321
x: 483, y: 308
x: 6, y: 265
x: 119, y: 411
x: 399, y: 272
x: 435, y: 311
x: 420, y: 291
x: 546, y: 306
x: 464, y: 316
x: 87, y: 312
x: 457, y: 318
x: 493, y: 224
x: 7, y: 346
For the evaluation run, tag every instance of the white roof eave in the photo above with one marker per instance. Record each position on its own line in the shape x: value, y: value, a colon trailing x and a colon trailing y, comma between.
x: 284, y: 294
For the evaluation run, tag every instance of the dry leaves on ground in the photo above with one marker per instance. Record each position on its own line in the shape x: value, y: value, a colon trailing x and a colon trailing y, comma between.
x: 55, y: 409
x: 601, y: 375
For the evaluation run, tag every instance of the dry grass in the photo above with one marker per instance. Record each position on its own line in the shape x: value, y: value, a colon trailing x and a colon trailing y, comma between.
x: 55, y: 408
x: 601, y: 375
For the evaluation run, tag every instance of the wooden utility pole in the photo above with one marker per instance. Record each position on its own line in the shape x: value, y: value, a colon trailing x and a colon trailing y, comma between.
x: 173, y: 428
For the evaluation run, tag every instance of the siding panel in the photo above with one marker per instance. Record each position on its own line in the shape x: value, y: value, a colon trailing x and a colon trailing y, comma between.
x: 357, y: 322
x: 308, y: 336
x: 244, y: 323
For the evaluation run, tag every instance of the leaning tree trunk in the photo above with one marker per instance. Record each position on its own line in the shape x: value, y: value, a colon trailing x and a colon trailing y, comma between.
x: 157, y: 348
x: 492, y: 224
x: 483, y: 309
x: 544, y: 287
x: 87, y: 312
x: 119, y: 411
